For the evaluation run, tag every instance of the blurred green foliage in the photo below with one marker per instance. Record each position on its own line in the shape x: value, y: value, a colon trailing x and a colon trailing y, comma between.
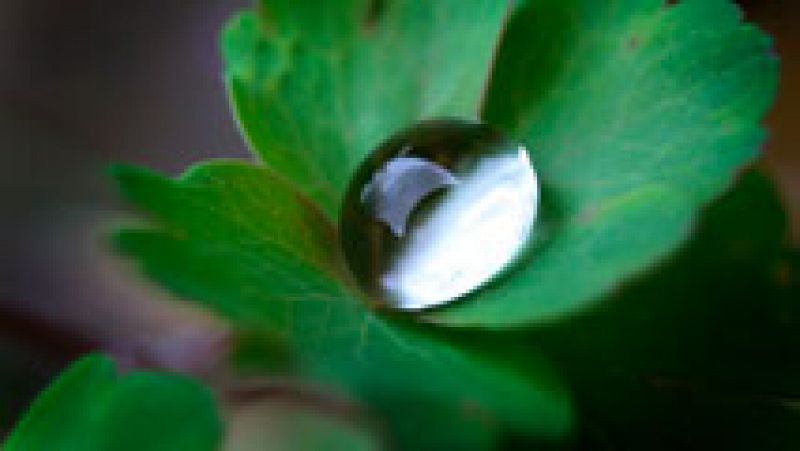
x: 699, y: 354
x: 91, y: 408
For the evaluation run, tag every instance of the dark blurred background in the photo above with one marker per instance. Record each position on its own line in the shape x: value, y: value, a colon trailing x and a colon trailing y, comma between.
x: 84, y: 83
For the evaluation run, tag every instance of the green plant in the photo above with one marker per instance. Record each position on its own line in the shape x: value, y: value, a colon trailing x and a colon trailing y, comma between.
x: 637, y: 113
x: 90, y: 407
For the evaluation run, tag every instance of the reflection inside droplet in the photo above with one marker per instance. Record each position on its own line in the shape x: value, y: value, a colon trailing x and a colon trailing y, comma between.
x: 399, y: 187
x: 437, y: 211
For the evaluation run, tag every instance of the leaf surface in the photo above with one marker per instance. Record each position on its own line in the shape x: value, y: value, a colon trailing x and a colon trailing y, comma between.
x: 91, y: 408
x: 223, y: 235
x: 316, y: 85
x: 637, y: 113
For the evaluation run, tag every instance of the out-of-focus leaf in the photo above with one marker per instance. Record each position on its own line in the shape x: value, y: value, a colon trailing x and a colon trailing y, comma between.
x: 90, y: 408
x: 701, y: 354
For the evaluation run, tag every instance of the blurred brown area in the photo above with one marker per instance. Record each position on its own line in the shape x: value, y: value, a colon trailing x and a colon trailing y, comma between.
x: 88, y: 82
x: 782, y: 156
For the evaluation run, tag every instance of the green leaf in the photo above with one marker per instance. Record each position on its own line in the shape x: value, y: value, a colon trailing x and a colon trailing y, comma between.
x: 234, y: 227
x: 89, y: 407
x: 223, y: 237
x: 701, y: 354
x: 316, y: 85
x: 636, y: 113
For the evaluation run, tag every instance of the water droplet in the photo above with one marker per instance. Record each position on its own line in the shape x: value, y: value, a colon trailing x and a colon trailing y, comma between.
x: 437, y: 211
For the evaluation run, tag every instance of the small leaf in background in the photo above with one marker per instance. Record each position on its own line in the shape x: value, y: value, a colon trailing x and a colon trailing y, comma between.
x: 89, y: 407
x: 221, y: 237
x: 315, y: 85
x: 636, y: 113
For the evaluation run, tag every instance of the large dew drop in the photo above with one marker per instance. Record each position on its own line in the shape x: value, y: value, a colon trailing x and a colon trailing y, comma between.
x: 437, y: 211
